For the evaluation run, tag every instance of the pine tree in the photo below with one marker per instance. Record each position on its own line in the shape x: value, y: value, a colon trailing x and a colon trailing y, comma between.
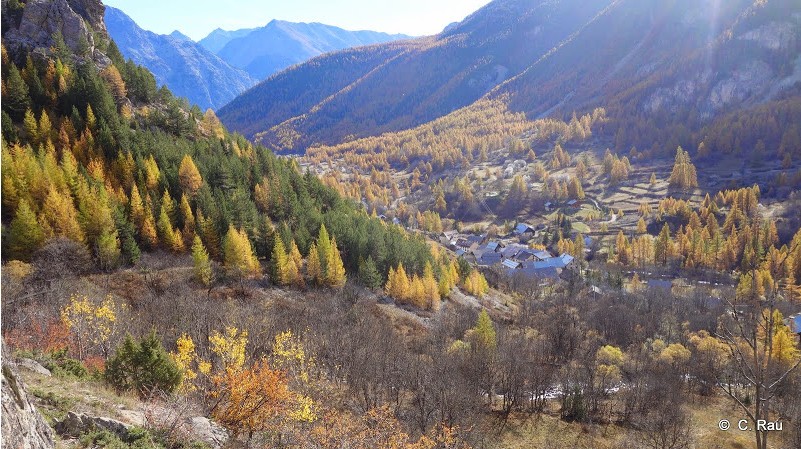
x: 641, y: 227
x: 15, y: 99
x: 25, y: 233
x: 189, y: 176
x: 335, y: 269
x: 202, y: 264
x: 368, y: 273
x: 483, y: 333
x: 294, y: 254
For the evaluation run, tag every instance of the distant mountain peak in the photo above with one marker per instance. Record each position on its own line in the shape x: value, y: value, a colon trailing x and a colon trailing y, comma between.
x: 180, y: 36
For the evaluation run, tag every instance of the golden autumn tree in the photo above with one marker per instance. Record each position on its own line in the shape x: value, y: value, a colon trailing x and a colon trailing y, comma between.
x: 313, y: 267
x: 250, y: 400
x: 202, y: 265
x: 189, y: 176
x: 238, y: 252
x: 334, y: 267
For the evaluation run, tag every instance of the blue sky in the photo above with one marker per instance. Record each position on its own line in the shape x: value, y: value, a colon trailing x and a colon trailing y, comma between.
x: 196, y: 18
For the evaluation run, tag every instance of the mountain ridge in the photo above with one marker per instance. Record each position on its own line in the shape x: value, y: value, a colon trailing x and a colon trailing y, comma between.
x: 185, y: 67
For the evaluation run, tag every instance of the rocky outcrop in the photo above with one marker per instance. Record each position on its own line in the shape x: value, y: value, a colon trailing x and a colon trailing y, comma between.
x: 207, y: 431
x: 34, y: 366
x: 76, y: 424
x: 80, y: 23
x: 23, y: 427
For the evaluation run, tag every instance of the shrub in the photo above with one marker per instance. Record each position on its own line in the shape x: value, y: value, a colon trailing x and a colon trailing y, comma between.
x: 142, y: 366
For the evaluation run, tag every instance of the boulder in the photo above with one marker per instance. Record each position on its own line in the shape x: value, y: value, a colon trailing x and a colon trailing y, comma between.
x: 207, y: 431
x: 75, y: 424
x: 23, y: 427
x: 34, y: 366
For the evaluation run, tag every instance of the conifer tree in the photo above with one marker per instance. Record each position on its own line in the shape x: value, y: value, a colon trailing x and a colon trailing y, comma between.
x: 167, y: 235
x: 663, y: 246
x: 238, y: 252
x: 168, y: 207
x: 147, y: 231
x: 189, y: 176
x: 430, y: 288
x: 60, y: 218
x: 294, y: 254
x: 280, y: 263
x: 324, y: 249
x: 188, y: 231
x: 335, y: 269
x: 368, y: 273
x: 15, y: 95
x: 31, y: 127
x: 313, y: 268
x: 684, y: 174
x: 107, y: 249
x: 208, y: 233
x: 202, y: 264
x: 25, y: 233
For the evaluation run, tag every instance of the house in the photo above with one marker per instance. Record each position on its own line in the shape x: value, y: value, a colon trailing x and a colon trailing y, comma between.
x: 489, y: 259
x: 512, y: 250
x: 542, y: 254
x: 563, y: 262
x: 572, y: 203
x: 523, y: 228
x: 494, y: 246
x: 511, y: 264
x: 548, y: 205
x: 463, y: 244
x: 531, y: 271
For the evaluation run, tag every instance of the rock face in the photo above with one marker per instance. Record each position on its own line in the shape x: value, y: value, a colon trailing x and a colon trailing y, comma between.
x: 23, y: 427
x: 80, y: 23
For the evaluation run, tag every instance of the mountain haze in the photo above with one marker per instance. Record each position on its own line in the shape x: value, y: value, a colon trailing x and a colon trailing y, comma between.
x: 187, y: 68
x: 279, y: 44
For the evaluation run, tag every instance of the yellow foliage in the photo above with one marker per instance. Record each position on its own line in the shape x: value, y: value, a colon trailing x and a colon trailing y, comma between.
x: 230, y: 347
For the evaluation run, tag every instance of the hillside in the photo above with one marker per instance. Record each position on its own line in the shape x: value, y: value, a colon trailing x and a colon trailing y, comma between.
x: 415, y: 82
x: 551, y: 58
x: 261, y: 52
x: 188, y: 69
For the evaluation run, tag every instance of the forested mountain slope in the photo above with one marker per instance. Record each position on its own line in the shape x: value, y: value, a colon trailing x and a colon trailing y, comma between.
x: 407, y: 83
x: 679, y: 63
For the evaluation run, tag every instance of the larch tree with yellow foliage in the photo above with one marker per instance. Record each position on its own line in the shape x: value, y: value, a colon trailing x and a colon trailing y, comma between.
x: 238, y: 253
x: 334, y: 267
x: 763, y: 349
x: 189, y: 176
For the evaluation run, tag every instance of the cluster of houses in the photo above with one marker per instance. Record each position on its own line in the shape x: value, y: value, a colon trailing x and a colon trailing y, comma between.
x: 511, y: 256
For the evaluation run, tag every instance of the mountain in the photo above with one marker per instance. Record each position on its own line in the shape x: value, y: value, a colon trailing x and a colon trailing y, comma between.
x: 648, y: 61
x: 218, y: 38
x: 180, y: 36
x: 279, y: 44
x: 184, y: 66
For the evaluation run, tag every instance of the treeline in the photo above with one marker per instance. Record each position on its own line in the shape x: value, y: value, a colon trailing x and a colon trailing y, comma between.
x: 100, y: 156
